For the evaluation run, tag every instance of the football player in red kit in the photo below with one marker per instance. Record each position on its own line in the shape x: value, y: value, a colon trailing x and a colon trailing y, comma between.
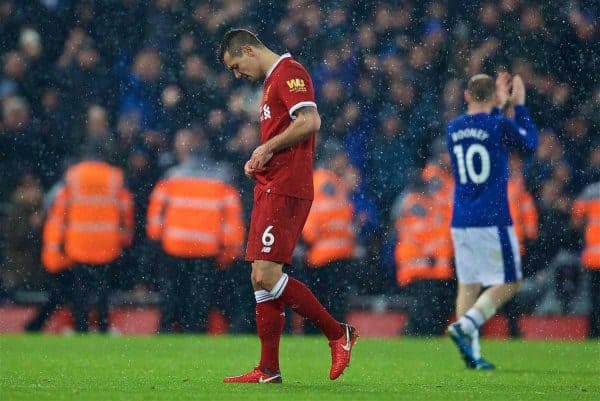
x: 282, y: 168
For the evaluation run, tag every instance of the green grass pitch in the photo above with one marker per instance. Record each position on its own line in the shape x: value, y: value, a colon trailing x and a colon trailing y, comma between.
x: 177, y: 367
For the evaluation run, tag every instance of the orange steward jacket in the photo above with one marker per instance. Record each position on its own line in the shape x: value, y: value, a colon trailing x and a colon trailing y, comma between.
x: 329, y: 231
x: 440, y: 186
x: 586, y: 209
x: 522, y: 211
x: 196, y: 213
x: 423, y: 250
x: 97, y: 213
x: 54, y: 258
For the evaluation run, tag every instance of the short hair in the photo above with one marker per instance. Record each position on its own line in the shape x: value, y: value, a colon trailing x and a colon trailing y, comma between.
x: 481, y: 87
x: 233, y: 41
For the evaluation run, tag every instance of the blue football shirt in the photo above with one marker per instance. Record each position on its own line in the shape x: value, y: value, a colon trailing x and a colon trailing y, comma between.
x: 479, y: 145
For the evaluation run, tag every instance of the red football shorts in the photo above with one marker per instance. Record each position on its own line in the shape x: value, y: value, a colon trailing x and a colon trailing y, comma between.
x: 275, y: 226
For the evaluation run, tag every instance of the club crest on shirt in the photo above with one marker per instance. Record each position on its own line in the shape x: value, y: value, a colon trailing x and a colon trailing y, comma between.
x: 296, y: 85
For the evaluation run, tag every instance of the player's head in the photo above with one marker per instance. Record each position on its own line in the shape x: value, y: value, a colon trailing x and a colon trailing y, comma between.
x: 480, y: 89
x: 238, y: 52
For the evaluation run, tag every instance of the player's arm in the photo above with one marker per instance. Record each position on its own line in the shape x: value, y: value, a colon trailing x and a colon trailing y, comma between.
x: 521, y: 132
x: 307, y: 122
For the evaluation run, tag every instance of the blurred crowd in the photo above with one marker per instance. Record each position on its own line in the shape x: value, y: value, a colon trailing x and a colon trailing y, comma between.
x: 124, y: 76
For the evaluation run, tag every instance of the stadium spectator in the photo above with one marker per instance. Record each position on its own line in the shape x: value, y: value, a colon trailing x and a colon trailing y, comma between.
x: 521, y: 204
x: 330, y: 236
x: 585, y: 215
x: 141, y: 90
x: 423, y: 250
x: 96, y: 211
x: 390, y: 150
x: 55, y: 137
x: 81, y: 73
x: 525, y: 221
x: 59, y: 268
x: 20, y: 145
x: 195, y: 215
x: 97, y: 136
x: 555, y: 232
x: 14, y: 75
x: 21, y: 236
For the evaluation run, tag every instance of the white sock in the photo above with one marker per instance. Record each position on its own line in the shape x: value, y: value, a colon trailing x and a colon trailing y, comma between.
x: 471, y: 321
x: 262, y: 296
x: 277, y: 290
x: 475, y: 317
x: 475, y: 346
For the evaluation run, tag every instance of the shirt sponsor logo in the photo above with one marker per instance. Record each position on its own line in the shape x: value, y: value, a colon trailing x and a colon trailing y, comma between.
x: 296, y: 85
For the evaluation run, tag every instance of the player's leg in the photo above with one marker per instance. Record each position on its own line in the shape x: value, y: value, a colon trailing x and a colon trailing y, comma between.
x: 270, y: 315
x: 312, y: 278
x: 467, y: 263
x: 301, y: 300
x: 486, y: 306
x: 498, y: 252
x: 468, y: 344
x: 466, y: 296
x: 297, y: 296
x: 501, y: 270
x: 276, y: 225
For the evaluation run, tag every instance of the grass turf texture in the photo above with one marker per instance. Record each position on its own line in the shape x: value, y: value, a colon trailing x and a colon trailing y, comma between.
x: 96, y: 367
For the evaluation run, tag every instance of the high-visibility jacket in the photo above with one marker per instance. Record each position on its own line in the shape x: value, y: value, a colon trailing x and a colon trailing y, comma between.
x: 329, y: 231
x: 97, y: 212
x: 54, y: 258
x: 420, y: 253
x: 522, y: 211
x: 586, y: 208
x: 195, y: 212
x: 440, y: 186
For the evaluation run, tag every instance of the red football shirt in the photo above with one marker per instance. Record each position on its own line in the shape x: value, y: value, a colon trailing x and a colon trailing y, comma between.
x: 287, y: 88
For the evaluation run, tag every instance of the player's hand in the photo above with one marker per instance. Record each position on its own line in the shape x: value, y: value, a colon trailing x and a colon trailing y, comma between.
x: 248, y: 171
x: 517, y: 97
x: 260, y: 158
x: 502, y: 94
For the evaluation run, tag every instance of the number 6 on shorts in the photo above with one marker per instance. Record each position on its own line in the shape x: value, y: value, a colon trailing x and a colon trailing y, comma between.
x: 268, y: 239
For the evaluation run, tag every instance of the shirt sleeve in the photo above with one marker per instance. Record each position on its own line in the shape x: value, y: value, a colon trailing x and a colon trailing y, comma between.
x: 295, y: 89
x: 520, y: 132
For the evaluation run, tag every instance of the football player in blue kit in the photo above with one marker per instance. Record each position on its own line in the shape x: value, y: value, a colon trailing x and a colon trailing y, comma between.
x: 485, y: 245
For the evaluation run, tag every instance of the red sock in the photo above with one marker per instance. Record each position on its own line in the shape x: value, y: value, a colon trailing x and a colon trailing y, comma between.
x: 269, y: 325
x: 302, y: 301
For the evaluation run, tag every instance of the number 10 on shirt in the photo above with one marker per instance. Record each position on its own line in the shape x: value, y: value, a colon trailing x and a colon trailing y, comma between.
x: 466, y: 166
